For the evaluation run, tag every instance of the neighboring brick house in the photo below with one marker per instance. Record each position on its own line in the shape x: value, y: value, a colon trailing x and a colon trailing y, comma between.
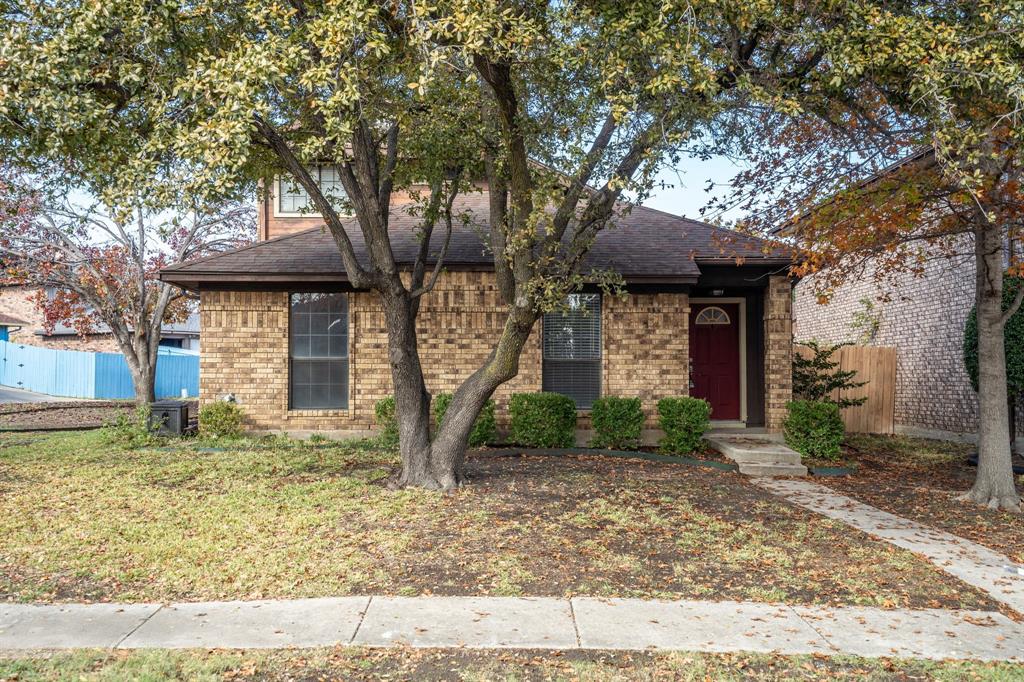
x: 302, y: 351
x: 923, y: 317
x: 19, y: 302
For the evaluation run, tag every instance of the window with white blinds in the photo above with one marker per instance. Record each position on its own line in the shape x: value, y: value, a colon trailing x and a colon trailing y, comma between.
x: 318, y: 351
x: 572, y: 350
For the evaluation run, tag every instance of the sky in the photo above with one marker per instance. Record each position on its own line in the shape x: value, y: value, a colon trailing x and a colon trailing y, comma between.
x: 681, y: 190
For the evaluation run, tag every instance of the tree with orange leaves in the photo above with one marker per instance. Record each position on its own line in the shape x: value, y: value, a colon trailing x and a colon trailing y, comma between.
x: 939, y: 89
x: 103, y: 265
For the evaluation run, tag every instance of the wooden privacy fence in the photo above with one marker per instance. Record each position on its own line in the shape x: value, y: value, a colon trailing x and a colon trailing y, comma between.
x: 877, y: 366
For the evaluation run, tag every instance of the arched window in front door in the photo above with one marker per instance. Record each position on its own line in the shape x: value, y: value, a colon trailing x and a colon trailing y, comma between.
x: 712, y: 315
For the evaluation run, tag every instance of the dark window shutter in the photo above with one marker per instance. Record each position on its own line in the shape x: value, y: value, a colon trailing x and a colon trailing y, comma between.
x: 572, y: 350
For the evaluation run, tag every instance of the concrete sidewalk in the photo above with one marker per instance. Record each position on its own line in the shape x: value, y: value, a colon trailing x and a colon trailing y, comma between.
x: 976, y: 565
x: 504, y: 622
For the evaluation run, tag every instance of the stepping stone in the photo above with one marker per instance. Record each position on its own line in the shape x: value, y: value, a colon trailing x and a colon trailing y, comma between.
x: 758, y: 455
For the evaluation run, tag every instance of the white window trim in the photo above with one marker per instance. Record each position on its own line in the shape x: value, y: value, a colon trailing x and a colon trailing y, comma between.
x: 275, y: 200
x: 743, y: 350
x: 725, y: 316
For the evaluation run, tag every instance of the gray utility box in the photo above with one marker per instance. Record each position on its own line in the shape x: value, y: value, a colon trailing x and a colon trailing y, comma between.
x: 168, y: 417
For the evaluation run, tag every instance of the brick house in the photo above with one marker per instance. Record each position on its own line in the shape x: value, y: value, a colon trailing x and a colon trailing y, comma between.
x: 923, y: 317
x: 302, y: 351
x: 19, y: 303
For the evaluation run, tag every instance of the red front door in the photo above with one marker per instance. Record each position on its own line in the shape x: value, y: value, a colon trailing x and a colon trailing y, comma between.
x: 715, y: 357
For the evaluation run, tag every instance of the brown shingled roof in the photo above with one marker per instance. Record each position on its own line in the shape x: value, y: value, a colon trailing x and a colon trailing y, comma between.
x: 11, y: 321
x: 644, y: 245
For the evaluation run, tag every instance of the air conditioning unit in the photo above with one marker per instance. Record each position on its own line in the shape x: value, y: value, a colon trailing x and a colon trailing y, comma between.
x: 168, y: 417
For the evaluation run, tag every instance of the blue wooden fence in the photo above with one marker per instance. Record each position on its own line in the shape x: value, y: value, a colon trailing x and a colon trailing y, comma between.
x: 75, y: 374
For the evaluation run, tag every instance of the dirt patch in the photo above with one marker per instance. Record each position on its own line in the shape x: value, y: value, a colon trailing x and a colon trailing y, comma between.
x: 920, y: 479
x: 61, y: 415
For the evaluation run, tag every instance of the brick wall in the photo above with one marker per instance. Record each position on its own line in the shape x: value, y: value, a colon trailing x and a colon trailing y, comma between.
x: 19, y: 302
x: 245, y: 350
x: 778, y: 350
x: 646, y: 348
x: 924, y: 321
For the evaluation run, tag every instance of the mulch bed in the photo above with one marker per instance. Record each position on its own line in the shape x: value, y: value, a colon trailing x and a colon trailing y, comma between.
x: 61, y: 415
x: 925, y: 489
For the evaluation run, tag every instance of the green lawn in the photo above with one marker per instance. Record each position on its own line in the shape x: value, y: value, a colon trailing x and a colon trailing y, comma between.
x: 84, y: 519
x: 481, y: 666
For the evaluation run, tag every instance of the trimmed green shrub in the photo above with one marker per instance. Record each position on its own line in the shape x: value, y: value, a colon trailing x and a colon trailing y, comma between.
x: 684, y: 421
x: 384, y: 414
x: 220, y: 419
x: 485, y: 428
x: 543, y: 420
x: 617, y: 423
x: 814, y: 429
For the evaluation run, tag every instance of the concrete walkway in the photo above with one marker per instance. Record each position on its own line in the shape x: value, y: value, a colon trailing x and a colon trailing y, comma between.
x: 505, y: 622
x: 976, y: 565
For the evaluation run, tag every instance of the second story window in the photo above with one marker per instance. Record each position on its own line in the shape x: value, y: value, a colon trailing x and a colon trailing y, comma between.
x: 293, y: 199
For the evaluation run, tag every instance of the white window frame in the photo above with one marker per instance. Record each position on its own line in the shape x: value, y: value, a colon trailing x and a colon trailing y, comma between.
x: 276, y: 199
x: 723, y: 320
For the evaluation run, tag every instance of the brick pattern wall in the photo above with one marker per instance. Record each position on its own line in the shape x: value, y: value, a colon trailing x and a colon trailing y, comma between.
x: 245, y: 351
x: 778, y: 350
x: 645, y: 350
x: 19, y: 302
x: 924, y: 320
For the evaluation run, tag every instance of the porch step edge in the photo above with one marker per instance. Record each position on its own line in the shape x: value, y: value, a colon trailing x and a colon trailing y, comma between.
x: 763, y: 452
x: 773, y: 469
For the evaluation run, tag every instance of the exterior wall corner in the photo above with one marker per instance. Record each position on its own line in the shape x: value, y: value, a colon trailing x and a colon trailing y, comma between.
x: 778, y: 350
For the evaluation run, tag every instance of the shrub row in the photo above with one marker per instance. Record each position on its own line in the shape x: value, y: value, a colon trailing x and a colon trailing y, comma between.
x: 548, y: 420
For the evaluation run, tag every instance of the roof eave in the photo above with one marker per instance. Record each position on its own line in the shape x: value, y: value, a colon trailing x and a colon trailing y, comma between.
x: 195, y: 280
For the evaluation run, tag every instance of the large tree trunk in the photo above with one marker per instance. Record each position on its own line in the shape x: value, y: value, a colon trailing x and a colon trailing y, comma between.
x: 140, y: 354
x: 412, y: 401
x: 994, y: 485
x: 439, y: 465
x: 143, y: 379
x: 449, y: 447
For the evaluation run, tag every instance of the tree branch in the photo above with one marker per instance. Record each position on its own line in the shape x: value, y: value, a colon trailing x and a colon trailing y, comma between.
x: 357, y: 275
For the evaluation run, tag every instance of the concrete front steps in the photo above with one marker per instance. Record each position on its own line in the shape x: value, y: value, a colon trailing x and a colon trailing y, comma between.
x: 757, y: 454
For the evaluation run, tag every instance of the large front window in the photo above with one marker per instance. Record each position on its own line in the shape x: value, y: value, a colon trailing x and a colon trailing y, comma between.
x: 318, y: 350
x: 572, y: 349
x: 293, y: 199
